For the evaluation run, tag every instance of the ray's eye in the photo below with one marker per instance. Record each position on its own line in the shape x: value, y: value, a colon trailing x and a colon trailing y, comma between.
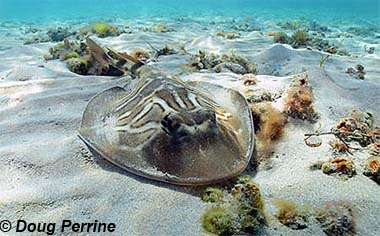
x: 170, y: 123
x: 204, y: 115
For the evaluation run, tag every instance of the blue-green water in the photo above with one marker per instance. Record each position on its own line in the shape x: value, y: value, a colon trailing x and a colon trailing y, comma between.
x: 34, y: 10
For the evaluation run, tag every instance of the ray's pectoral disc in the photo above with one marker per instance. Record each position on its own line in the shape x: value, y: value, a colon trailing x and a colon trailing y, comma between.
x: 170, y: 131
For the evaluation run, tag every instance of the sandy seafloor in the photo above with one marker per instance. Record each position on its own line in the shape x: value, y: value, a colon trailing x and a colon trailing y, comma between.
x: 47, y: 173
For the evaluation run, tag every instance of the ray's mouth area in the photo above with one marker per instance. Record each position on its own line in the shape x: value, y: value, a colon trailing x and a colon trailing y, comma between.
x: 184, y: 126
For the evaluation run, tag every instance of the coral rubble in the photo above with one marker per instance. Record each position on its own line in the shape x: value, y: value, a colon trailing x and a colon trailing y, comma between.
x: 372, y: 168
x: 339, y: 166
x: 337, y: 219
x: 358, y: 72
x: 232, y: 62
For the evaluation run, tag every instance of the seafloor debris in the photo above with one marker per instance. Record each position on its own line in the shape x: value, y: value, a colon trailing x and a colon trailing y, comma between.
x: 337, y: 219
x: 302, y: 39
x: 292, y: 215
x: 59, y: 34
x: 158, y: 28
x: 369, y: 50
x: 35, y: 40
x: 313, y: 141
x: 249, y: 79
x: 358, y: 72
x: 374, y: 149
x: 339, y: 166
x: 372, y: 168
x: 228, y: 35
x: 163, y: 51
x: 316, y: 165
x: 356, y: 126
x: 88, y: 58
x: 242, y: 211
x: 247, y: 26
x: 291, y: 25
x: 338, y: 146
x: 362, y: 31
x: 299, y: 101
x: 140, y: 54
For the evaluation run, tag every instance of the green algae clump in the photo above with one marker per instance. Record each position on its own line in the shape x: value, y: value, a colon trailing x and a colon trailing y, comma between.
x: 78, y: 65
x: 103, y: 30
x: 291, y: 215
x: 68, y: 55
x: 219, y: 221
x: 242, y: 211
x: 212, y: 195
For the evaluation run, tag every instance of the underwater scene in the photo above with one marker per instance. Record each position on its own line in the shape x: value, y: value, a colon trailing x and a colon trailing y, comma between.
x: 191, y: 118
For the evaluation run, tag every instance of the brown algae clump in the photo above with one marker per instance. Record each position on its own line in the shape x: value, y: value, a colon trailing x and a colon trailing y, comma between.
x: 281, y: 37
x: 241, y: 212
x: 300, y: 99
x: 337, y: 219
x: 269, y: 124
x: 339, y: 166
x: 372, y: 168
x: 291, y: 215
x: 300, y: 38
